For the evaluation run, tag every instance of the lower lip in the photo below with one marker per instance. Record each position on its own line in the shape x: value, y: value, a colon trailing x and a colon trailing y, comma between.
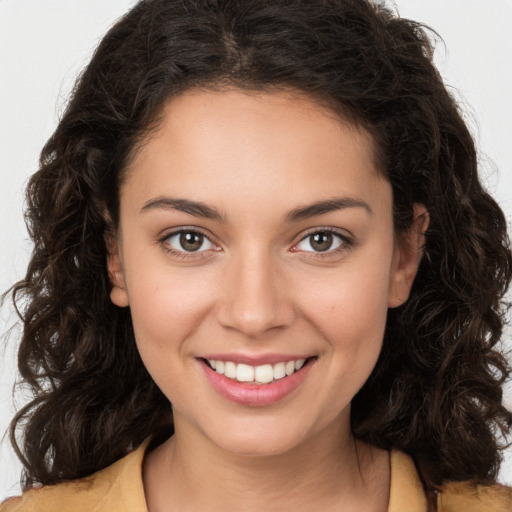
x: 255, y: 394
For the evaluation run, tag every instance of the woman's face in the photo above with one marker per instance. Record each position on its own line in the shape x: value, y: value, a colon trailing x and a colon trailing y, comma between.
x: 256, y: 236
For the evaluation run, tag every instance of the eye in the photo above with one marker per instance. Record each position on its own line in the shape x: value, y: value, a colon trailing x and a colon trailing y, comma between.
x: 322, y: 241
x: 189, y: 241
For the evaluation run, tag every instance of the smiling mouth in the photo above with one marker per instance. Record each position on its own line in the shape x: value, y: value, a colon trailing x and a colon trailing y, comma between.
x: 262, y: 374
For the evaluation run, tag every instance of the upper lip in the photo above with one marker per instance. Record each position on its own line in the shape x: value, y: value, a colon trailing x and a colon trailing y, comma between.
x: 256, y: 360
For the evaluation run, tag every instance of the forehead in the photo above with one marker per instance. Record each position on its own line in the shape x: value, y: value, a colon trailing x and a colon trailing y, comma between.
x: 193, y: 112
x: 212, y: 142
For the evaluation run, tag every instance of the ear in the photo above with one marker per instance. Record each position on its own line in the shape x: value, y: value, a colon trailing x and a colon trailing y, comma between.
x: 118, y: 293
x: 407, y: 257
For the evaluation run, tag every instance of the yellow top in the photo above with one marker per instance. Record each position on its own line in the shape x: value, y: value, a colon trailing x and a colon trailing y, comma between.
x: 119, y: 488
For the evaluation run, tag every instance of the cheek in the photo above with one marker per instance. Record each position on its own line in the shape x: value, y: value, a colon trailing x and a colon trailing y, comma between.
x: 167, y: 311
x: 350, y: 312
x: 353, y: 298
x: 166, y: 308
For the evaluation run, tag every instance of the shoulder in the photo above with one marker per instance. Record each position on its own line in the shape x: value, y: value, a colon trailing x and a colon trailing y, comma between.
x: 457, y: 496
x: 77, y: 494
x: 117, y: 488
x: 407, y: 492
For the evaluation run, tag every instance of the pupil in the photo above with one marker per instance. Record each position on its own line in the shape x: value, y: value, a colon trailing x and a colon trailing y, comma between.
x: 321, y: 241
x: 191, y: 241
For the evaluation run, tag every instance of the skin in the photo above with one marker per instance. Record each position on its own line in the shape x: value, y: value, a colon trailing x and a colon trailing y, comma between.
x: 257, y: 286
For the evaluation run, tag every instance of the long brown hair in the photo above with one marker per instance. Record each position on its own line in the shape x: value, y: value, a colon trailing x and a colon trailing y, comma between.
x: 435, y: 392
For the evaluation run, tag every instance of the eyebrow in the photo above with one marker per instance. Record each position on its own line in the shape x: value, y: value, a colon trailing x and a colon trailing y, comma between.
x: 195, y: 208
x: 199, y: 209
x: 322, y: 207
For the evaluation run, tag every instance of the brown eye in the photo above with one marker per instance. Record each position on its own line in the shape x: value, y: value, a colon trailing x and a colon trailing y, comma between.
x: 189, y: 241
x: 322, y: 241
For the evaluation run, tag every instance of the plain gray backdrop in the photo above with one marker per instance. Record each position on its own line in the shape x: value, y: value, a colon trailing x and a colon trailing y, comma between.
x: 44, y: 44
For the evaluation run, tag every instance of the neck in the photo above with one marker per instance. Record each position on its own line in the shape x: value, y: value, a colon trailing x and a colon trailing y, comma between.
x: 326, y: 472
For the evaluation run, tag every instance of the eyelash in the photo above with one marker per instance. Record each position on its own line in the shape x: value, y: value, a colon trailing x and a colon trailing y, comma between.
x: 165, y: 243
x: 346, y: 243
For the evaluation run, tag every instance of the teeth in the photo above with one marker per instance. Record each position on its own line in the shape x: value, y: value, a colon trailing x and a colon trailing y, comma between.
x: 230, y: 369
x: 262, y: 374
x: 244, y: 373
x: 279, y: 371
x: 299, y: 364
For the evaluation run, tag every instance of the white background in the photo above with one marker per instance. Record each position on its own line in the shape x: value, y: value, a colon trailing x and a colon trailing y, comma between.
x: 44, y: 43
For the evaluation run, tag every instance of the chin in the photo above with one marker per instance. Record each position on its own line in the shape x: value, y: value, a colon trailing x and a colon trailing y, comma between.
x: 258, y: 438
x: 257, y: 446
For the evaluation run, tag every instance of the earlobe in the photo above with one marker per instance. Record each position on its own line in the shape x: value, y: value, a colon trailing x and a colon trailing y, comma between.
x: 408, y: 255
x: 118, y: 293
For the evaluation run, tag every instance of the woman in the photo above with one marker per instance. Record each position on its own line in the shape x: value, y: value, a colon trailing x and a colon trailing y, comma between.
x: 268, y: 216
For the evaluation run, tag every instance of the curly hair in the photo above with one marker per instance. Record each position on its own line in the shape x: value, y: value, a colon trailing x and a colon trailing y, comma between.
x: 435, y: 392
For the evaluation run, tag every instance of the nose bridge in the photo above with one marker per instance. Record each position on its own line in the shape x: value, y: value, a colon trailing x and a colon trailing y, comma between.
x: 255, y: 300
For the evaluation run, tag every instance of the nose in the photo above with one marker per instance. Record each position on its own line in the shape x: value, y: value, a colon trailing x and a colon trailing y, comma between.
x: 255, y: 296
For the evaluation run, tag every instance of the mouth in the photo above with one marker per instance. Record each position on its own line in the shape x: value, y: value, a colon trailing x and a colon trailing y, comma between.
x: 256, y: 385
x: 257, y: 374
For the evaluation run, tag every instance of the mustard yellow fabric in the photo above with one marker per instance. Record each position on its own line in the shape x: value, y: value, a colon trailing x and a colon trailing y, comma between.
x: 119, y: 488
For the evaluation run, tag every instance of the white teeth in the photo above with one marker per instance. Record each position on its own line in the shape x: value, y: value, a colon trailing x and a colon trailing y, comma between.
x: 219, y: 367
x: 244, y: 373
x: 230, y: 369
x: 262, y: 374
x: 279, y: 371
x: 299, y: 364
x: 290, y: 367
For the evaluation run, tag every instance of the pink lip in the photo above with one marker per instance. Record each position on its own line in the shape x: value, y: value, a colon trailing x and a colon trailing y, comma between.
x: 255, y: 394
x: 254, y: 360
